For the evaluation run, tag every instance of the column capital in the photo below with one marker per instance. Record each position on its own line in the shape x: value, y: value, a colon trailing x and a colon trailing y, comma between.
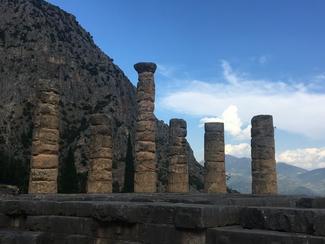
x: 145, y: 67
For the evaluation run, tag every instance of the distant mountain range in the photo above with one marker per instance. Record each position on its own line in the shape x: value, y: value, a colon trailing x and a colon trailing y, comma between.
x: 292, y: 180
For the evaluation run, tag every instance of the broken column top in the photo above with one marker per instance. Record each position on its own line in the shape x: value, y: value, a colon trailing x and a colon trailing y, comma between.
x: 262, y: 119
x: 214, y: 126
x: 177, y: 123
x: 145, y: 67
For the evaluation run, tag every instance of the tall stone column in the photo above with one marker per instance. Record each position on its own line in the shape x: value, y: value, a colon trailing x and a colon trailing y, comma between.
x: 264, y: 178
x: 214, y: 157
x: 145, y: 178
x: 45, y: 144
x: 101, y: 155
x: 178, y: 180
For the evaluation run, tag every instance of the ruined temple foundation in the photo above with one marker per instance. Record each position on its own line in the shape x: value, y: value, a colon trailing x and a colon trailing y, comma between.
x: 45, y: 144
x: 264, y: 178
x: 145, y: 177
x: 178, y: 178
x: 101, y: 154
x: 214, y: 157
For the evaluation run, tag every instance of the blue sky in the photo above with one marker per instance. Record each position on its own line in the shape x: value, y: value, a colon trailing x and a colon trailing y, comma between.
x: 225, y: 61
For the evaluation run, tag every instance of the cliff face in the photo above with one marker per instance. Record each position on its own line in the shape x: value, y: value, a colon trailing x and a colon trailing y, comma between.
x: 40, y: 43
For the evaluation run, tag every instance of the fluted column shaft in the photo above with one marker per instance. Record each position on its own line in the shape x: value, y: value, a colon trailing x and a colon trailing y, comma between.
x: 214, y: 157
x: 45, y: 143
x: 264, y: 177
x: 178, y: 180
x: 101, y: 154
x: 145, y: 178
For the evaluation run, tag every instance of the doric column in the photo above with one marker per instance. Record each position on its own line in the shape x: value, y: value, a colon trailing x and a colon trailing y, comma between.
x: 45, y: 145
x: 264, y: 178
x: 178, y: 180
x: 101, y: 154
x: 214, y: 157
x: 145, y: 178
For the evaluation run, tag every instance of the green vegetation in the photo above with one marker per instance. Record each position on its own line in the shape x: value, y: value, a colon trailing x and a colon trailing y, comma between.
x: 129, y: 169
x: 68, y: 180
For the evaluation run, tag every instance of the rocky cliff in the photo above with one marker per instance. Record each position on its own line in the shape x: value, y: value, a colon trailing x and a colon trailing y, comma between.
x: 40, y: 43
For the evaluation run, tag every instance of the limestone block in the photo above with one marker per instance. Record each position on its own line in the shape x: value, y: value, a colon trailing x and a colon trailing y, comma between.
x: 49, y: 109
x: 44, y: 174
x: 45, y: 161
x: 42, y: 187
x: 145, y: 146
x: 145, y: 136
x: 145, y: 181
x: 101, y: 152
x: 41, y: 148
x: 101, y: 164
x: 49, y: 98
x: 99, y: 186
x: 49, y: 121
x: 145, y: 126
x: 145, y: 156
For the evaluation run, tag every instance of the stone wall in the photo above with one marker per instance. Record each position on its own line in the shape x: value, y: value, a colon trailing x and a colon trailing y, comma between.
x: 161, y: 219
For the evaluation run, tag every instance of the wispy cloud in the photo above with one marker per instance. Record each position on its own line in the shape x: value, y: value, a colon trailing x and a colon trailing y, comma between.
x: 238, y: 150
x: 294, y: 106
x: 309, y: 158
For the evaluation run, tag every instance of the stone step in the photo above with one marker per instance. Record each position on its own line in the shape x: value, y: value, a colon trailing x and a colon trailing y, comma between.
x: 189, y: 216
x: 16, y: 236
x: 238, y: 235
x: 298, y: 220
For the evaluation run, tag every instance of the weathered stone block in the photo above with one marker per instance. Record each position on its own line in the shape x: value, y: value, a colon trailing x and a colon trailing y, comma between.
x: 44, y: 174
x: 145, y: 146
x: 99, y: 186
x: 145, y: 181
x: 49, y: 121
x: 101, y: 152
x: 42, y: 187
x: 145, y: 156
x: 42, y: 148
x: 45, y: 161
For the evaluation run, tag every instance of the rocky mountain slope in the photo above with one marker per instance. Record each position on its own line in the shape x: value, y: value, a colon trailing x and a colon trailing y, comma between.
x: 291, y: 179
x: 41, y: 43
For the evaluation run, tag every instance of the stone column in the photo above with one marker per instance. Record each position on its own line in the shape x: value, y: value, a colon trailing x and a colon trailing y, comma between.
x: 101, y: 154
x: 264, y: 178
x: 214, y: 157
x: 45, y: 145
x: 145, y: 178
x: 178, y: 180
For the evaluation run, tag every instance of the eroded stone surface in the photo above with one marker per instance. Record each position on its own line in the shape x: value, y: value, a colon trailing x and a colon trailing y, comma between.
x: 158, y: 218
x: 45, y: 146
x: 178, y: 179
x: 264, y: 178
x: 101, y: 154
x: 145, y: 178
x: 214, y: 157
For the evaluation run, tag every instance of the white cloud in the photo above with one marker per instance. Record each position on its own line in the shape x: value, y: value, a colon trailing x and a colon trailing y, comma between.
x: 309, y: 158
x: 232, y: 122
x: 239, y: 150
x: 295, y: 108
